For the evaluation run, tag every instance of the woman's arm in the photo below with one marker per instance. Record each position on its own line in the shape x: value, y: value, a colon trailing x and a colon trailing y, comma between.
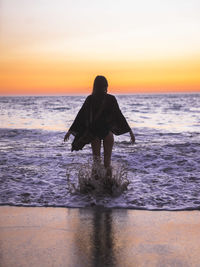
x: 79, y: 123
x: 121, y: 120
x: 132, y: 136
x: 67, y: 136
x: 119, y: 123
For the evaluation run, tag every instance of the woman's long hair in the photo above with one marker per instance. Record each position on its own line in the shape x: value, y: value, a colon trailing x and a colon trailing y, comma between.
x: 100, y: 86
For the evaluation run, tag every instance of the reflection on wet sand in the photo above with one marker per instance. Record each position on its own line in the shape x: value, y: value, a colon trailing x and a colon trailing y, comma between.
x: 98, y: 237
x: 94, y: 238
x: 102, y: 239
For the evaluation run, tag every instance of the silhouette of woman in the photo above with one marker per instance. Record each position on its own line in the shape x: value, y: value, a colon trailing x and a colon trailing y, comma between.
x: 101, y: 114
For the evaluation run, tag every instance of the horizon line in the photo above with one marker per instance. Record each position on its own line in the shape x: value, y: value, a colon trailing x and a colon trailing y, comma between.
x: 84, y: 94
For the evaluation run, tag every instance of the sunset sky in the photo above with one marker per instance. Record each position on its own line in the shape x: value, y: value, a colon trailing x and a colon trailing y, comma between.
x: 58, y: 47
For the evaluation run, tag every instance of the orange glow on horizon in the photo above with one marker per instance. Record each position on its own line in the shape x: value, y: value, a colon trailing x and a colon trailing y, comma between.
x: 22, y: 76
x: 60, y: 48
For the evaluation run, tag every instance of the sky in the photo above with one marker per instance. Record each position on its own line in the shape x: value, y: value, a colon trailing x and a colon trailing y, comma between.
x: 58, y: 47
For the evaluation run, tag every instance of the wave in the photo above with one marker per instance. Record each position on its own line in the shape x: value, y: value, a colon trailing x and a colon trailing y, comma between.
x: 92, y: 204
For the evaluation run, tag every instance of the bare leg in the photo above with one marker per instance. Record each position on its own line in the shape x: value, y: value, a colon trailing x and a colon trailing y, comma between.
x: 108, y: 145
x: 96, y: 150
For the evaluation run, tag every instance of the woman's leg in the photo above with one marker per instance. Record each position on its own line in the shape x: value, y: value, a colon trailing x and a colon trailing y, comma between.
x: 108, y: 142
x: 96, y: 150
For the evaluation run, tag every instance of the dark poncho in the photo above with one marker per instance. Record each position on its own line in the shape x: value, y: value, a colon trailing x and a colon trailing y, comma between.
x: 110, y: 118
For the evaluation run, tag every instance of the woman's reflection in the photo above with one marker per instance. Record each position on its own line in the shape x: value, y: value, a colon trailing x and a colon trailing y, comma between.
x: 102, y: 238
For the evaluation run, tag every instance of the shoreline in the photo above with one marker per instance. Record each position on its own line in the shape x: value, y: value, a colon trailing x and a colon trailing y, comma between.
x: 94, y: 236
x: 92, y: 206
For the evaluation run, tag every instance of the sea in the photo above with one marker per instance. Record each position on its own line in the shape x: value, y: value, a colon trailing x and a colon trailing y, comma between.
x: 163, y: 166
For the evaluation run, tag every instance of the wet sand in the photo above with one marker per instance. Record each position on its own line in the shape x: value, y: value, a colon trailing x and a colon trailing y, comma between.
x: 98, y: 237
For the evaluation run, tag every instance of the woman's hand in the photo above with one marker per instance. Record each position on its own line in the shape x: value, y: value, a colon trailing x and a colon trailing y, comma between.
x: 132, y: 137
x: 67, y: 136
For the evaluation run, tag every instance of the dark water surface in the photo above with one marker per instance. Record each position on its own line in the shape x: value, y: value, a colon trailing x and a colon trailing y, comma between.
x: 163, y: 166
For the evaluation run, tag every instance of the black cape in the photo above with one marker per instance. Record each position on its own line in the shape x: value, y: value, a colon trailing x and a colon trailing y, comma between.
x: 109, y: 119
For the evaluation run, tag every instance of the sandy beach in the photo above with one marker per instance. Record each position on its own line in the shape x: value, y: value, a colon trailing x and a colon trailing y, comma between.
x: 98, y: 237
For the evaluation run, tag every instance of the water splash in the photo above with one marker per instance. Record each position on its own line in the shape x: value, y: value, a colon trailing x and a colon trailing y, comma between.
x: 95, y: 180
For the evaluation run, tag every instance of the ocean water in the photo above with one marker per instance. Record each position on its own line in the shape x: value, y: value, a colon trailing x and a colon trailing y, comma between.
x: 163, y: 166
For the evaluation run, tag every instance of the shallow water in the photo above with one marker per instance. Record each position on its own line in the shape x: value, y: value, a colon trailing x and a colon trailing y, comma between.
x: 163, y: 166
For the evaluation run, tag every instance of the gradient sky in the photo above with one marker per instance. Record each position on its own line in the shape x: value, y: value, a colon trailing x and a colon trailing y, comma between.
x: 58, y: 47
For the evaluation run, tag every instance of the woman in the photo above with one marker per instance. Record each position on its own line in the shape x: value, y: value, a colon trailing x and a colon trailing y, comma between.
x: 98, y: 119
